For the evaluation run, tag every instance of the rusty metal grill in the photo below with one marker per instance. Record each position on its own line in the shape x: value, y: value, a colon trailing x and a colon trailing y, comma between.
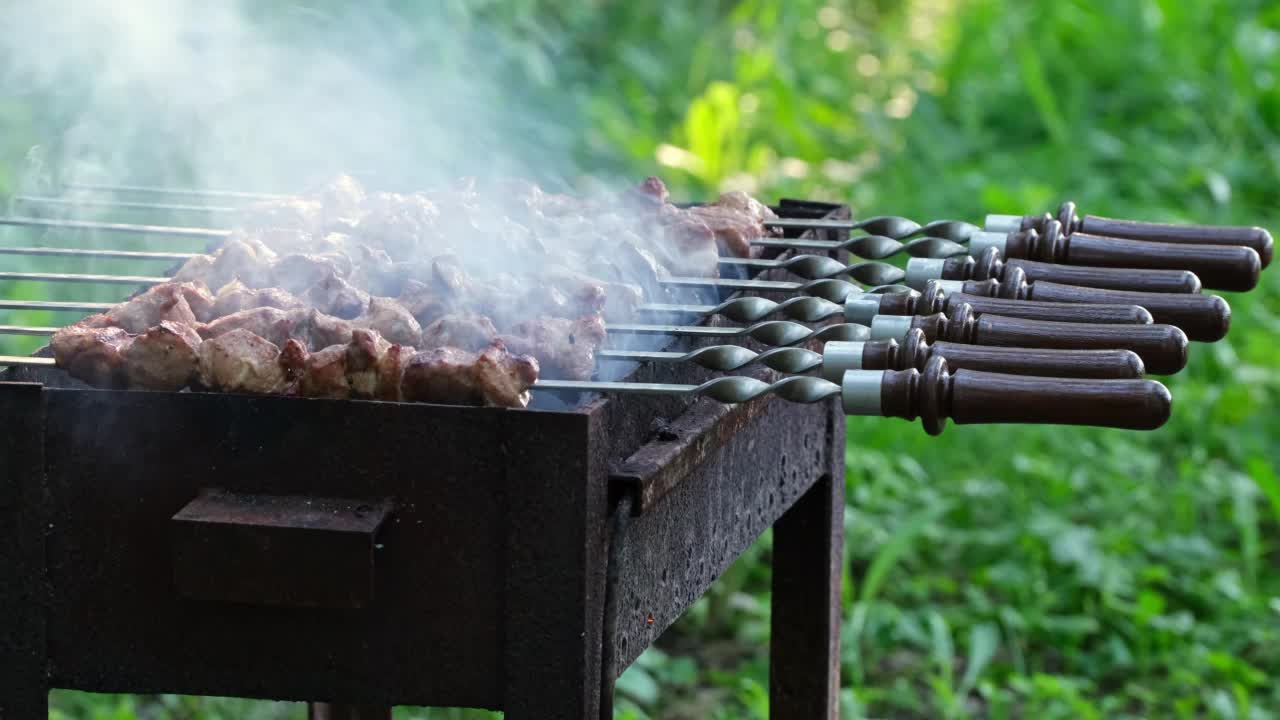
x: 463, y: 558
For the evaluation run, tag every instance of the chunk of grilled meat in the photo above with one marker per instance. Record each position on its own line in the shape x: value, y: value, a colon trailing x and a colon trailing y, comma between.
x: 405, y: 226
x: 493, y: 376
x: 467, y: 331
x: 236, y: 296
x: 93, y: 353
x: 311, y: 328
x: 165, y: 357
x: 241, y: 361
x: 166, y: 301
x: 566, y: 349
x: 736, y: 219
x: 391, y: 320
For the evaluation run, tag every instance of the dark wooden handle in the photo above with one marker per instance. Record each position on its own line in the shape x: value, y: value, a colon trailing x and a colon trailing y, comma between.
x: 971, y: 397
x: 1205, y: 318
x: 1163, y: 348
x: 1256, y: 238
x: 1145, y: 280
x: 1219, y: 267
x: 1054, y: 311
x: 1098, y: 364
x: 983, y: 397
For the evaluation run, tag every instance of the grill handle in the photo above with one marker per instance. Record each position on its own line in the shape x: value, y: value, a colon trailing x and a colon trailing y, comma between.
x: 988, y: 265
x: 1163, y: 348
x: 974, y: 397
x: 1204, y: 318
x: 1219, y: 267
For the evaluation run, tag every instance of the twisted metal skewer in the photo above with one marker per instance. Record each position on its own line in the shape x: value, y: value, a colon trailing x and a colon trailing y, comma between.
x: 729, y: 390
x: 892, y: 226
x: 778, y: 333
x: 836, y: 291
x: 754, y: 308
x: 122, y: 204
x: 874, y: 247
x: 726, y: 358
x: 815, y: 267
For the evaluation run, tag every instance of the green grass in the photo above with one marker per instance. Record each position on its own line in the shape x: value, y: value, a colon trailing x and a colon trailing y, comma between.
x: 993, y: 572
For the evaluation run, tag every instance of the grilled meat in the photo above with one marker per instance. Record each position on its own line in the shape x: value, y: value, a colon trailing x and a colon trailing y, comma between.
x: 493, y: 376
x: 167, y: 301
x: 93, y: 353
x: 467, y: 331
x: 566, y: 349
x: 391, y: 320
x: 241, y: 361
x: 236, y: 296
x: 165, y: 357
x: 735, y: 220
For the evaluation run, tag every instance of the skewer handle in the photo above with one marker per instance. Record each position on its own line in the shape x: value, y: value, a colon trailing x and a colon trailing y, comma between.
x: 973, y: 397
x: 1163, y: 348
x: 1220, y: 267
x: 988, y: 265
x: 942, y: 295
x: 915, y: 351
x: 1204, y: 318
x: 1126, y: 313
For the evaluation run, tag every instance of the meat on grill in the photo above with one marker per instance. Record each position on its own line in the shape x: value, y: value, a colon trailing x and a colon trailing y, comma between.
x: 165, y: 357
x: 236, y: 296
x: 391, y: 320
x: 466, y: 331
x: 493, y: 376
x: 241, y: 361
x: 94, y: 354
x: 564, y: 348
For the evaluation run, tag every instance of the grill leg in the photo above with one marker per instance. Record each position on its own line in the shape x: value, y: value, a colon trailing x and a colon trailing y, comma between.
x: 804, y: 654
x: 24, y: 592
x: 338, y: 711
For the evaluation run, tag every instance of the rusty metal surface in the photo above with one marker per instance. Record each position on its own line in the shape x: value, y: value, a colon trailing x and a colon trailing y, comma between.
x: 24, y: 591
x: 296, y: 551
x: 675, y: 551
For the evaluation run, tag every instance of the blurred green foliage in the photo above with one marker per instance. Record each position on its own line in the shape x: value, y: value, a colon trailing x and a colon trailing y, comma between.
x: 993, y: 572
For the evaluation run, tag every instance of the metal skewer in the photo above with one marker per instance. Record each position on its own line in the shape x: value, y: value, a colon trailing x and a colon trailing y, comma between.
x: 26, y: 361
x: 815, y: 267
x: 895, y: 227
x: 27, y: 330
x: 174, y: 230
x: 778, y: 333
x: 123, y: 204
x: 187, y: 192
x: 84, y: 278
x: 79, y: 252
x: 55, y: 305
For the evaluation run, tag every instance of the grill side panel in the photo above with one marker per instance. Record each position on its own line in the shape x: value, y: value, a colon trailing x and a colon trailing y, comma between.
x: 120, y: 464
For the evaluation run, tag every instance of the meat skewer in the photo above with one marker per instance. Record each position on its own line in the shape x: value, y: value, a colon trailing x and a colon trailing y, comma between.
x: 122, y: 204
x: 988, y: 265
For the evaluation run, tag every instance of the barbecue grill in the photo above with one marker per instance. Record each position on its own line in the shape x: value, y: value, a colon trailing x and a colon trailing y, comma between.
x: 319, y: 550
x: 515, y: 560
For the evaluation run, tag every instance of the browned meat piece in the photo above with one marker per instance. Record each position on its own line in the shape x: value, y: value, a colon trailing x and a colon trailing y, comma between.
x: 689, y: 244
x: 363, y: 355
x: 313, y: 329
x: 654, y: 190
x: 736, y: 219
x: 424, y: 303
x: 337, y: 297
x: 286, y: 240
x: 93, y: 354
x: 589, y: 296
x: 265, y: 322
x: 299, y: 271
x: 166, y: 357
x: 566, y: 349
x: 166, y: 301
x: 391, y: 320
x: 391, y: 372
x: 293, y: 360
x: 236, y: 296
x: 468, y: 331
x: 240, y: 257
x: 199, y: 299
x: 450, y: 375
x: 241, y: 361
x: 325, y: 374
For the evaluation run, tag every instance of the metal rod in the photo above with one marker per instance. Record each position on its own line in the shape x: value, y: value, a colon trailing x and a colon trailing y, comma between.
x: 777, y: 333
x: 892, y: 226
x: 827, y: 288
x: 54, y: 305
x: 814, y: 267
x: 173, y: 230
x: 80, y: 252
x: 27, y: 330
x: 753, y: 308
x: 732, y: 389
x: 189, y: 192
x: 123, y: 204
x: 724, y: 358
x: 83, y: 278
x: 26, y: 361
